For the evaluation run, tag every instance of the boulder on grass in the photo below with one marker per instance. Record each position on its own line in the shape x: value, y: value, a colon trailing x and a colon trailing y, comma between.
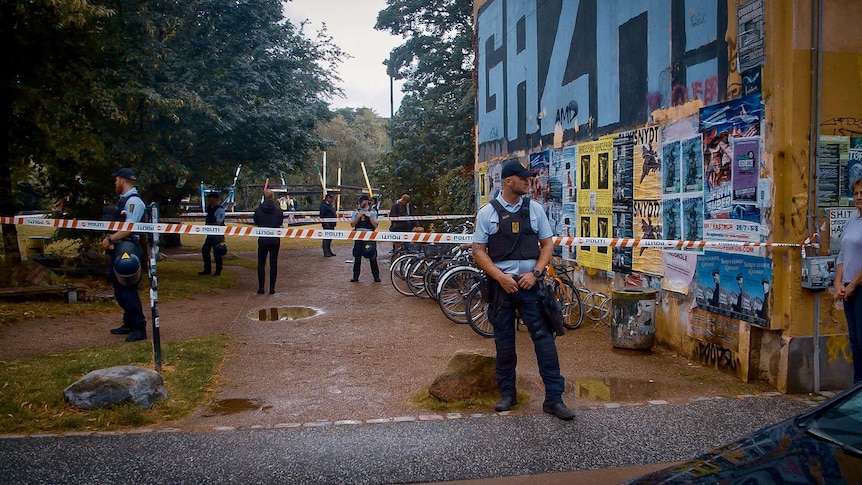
x: 123, y: 383
x: 470, y: 373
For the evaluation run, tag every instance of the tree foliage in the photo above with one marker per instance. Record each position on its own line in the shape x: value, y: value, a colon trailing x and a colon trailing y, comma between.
x: 181, y: 91
x: 432, y: 131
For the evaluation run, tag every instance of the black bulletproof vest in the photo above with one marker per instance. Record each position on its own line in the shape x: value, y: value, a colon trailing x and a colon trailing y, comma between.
x: 364, y: 222
x: 211, y: 219
x: 515, y: 239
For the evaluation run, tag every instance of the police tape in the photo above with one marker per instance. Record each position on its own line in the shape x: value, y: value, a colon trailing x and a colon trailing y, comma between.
x: 307, y: 217
x: 417, y: 237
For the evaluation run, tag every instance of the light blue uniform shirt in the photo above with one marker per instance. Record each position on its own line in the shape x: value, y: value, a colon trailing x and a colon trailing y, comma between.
x: 134, y: 206
x: 487, y: 223
x: 356, y: 212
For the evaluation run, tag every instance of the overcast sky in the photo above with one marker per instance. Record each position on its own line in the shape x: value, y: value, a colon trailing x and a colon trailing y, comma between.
x: 351, y: 25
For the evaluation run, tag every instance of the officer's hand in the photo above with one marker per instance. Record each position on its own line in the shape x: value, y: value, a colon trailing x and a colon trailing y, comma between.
x: 527, y: 280
x: 509, y: 283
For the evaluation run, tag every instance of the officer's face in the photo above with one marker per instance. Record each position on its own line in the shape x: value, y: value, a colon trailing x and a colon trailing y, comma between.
x: 519, y: 185
x: 118, y: 185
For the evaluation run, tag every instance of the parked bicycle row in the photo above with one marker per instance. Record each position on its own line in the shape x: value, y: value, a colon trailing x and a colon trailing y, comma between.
x: 447, y: 274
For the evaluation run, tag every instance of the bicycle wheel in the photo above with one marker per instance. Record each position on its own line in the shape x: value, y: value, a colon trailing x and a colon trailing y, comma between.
x: 570, y: 299
x: 452, y: 290
x: 432, y: 276
x: 604, y: 311
x: 593, y: 305
x: 416, y: 277
x: 477, y: 314
x: 397, y: 273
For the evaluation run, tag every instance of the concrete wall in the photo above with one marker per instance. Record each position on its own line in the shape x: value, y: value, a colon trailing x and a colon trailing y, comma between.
x: 565, y: 85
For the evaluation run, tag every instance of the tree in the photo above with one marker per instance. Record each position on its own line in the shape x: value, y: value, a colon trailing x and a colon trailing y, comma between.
x: 181, y: 91
x: 432, y: 131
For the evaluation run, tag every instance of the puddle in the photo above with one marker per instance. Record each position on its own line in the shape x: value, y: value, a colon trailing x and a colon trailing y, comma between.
x: 285, y: 313
x: 615, y: 389
x: 233, y: 406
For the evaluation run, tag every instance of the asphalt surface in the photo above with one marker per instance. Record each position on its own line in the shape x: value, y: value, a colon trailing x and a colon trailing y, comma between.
x: 489, y: 448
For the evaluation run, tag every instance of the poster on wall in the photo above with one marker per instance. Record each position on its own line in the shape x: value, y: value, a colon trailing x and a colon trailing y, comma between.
x: 647, y: 215
x: 679, y: 270
x: 833, y: 153
x: 553, y: 202
x: 569, y: 213
x: 482, y: 183
x: 595, y: 200
x: 621, y: 259
x: 671, y: 219
x: 540, y: 163
x: 711, y: 328
x: 671, y: 159
x: 719, y: 125
x: 692, y: 218
x: 854, y: 169
x: 493, y: 179
x: 647, y: 163
x: 746, y: 170
x: 734, y: 284
x: 750, y: 34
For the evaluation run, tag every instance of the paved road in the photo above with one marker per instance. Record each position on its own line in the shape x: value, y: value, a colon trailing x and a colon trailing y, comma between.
x: 471, y: 448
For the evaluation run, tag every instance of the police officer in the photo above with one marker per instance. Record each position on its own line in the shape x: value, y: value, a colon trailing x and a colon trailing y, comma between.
x: 364, y: 218
x: 327, y: 211
x: 512, y: 244
x: 215, y: 217
x: 126, y: 257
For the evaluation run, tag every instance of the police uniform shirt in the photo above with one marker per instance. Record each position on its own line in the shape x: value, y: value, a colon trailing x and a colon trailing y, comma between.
x: 134, y: 206
x: 487, y: 221
x: 356, y: 212
x: 219, y: 215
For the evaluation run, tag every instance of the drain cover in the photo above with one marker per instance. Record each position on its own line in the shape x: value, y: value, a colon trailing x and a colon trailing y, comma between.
x: 283, y: 313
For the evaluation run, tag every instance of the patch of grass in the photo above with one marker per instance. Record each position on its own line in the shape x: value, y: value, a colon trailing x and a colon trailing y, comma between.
x: 31, y: 389
x: 178, y: 280
x: 483, y: 402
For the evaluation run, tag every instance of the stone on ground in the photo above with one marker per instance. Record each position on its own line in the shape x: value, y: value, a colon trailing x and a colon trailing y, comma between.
x: 470, y: 373
x: 123, y: 383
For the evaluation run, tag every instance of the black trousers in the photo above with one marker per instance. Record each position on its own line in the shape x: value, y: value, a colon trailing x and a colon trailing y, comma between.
x: 209, y: 244
x: 327, y: 243
x: 270, y: 249
x: 357, y: 261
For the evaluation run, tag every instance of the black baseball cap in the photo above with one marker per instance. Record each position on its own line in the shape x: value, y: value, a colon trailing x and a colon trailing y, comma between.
x: 126, y: 173
x: 514, y: 167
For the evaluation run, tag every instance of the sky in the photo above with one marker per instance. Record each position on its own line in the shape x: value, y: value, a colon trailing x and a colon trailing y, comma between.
x: 351, y: 25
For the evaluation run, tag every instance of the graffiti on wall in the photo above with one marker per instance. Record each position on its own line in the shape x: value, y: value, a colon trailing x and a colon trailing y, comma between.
x: 711, y: 354
x: 591, y: 67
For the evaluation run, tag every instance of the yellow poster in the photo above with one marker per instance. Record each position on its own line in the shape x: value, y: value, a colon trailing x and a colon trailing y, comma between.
x: 595, y: 200
x: 482, y: 180
x: 647, y: 225
x: 647, y: 163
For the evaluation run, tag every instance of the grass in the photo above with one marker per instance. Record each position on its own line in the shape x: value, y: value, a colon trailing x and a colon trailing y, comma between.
x: 31, y: 389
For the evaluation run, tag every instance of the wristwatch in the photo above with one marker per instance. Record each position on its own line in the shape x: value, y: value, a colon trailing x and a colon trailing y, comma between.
x: 537, y: 273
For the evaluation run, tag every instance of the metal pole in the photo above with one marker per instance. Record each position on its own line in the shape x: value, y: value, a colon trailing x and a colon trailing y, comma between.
x: 814, y: 146
x: 154, y: 286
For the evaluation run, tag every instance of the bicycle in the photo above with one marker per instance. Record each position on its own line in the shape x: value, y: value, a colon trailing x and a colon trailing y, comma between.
x: 567, y: 294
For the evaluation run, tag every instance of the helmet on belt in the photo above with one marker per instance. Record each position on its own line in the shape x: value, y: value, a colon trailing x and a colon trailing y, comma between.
x: 127, y: 269
x: 220, y: 249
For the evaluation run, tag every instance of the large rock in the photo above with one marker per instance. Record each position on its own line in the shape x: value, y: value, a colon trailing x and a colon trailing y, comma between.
x: 123, y: 383
x: 470, y: 373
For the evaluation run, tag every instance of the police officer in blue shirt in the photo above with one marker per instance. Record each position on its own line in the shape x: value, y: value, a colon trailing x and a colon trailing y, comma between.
x: 127, y: 255
x: 215, y: 217
x: 513, y: 244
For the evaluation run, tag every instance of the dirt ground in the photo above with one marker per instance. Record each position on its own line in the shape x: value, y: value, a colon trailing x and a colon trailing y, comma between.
x: 366, y: 352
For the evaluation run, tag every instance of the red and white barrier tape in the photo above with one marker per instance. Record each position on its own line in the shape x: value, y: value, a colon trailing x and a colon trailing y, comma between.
x: 420, y: 237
